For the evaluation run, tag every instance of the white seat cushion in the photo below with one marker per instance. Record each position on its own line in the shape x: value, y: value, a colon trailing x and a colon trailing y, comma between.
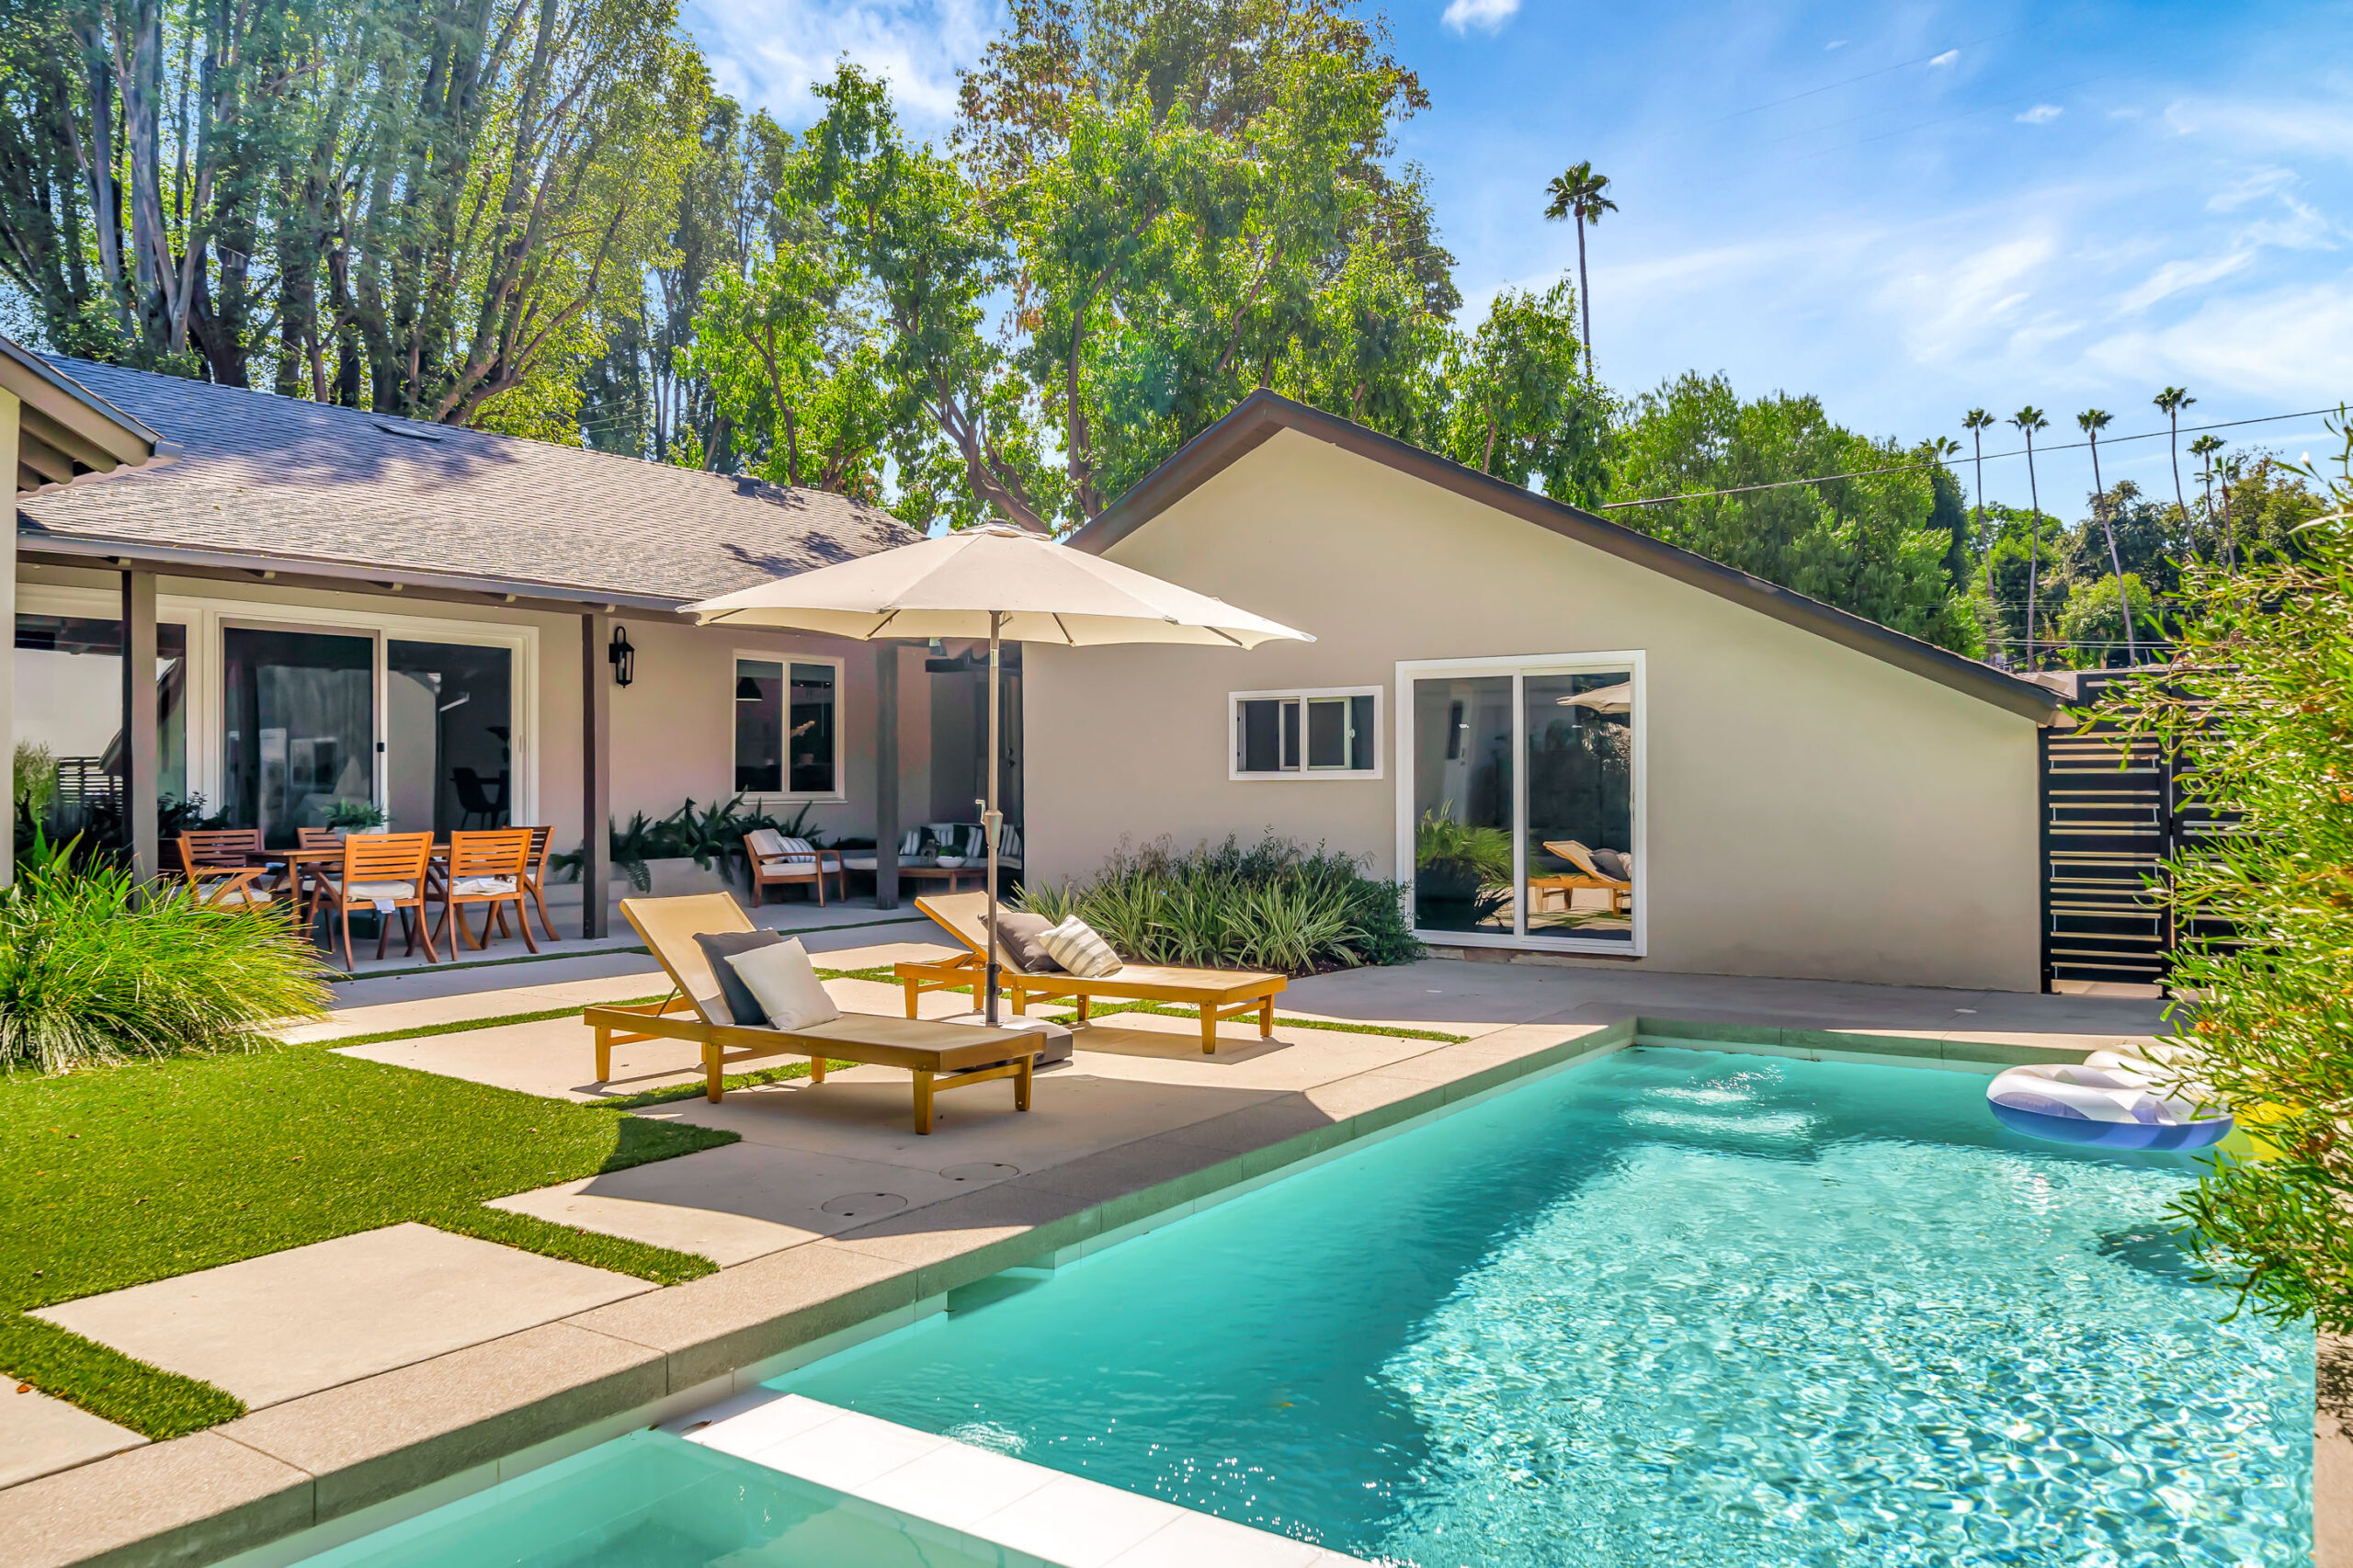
x: 767, y: 842
x: 789, y: 867
x: 781, y: 976
x: 466, y: 887
x: 1080, y: 948
x: 380, y: 891
x: 247, y: 894
x: 859, y: 862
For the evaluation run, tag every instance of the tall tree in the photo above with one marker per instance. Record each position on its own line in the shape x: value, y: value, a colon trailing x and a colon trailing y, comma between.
x: 2029, y: 420
x: 1976, y: 422
x: 2171, y: 401
x: 1516, y: 404
x: 2091, y: 422
x: 1578, y: 194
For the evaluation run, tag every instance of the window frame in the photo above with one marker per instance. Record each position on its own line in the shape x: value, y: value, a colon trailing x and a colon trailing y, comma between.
x: 787, y: 658
x: 1519, y: 667
x: 1302, y: 772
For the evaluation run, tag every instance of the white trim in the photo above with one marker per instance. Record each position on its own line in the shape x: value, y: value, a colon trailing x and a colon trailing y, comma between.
x: 788, y: 657
x: 1519, y: 667
x: 1303, y: 695
x: 207, y: 618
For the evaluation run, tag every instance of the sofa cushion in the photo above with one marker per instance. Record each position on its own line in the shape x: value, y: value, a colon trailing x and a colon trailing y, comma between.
x: 741, y: 1007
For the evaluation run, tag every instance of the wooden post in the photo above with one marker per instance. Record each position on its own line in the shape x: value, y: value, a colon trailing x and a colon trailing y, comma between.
x: 595, y: 772
x: 11, y: 408
x: 140, y: 743
x: 886, y: 776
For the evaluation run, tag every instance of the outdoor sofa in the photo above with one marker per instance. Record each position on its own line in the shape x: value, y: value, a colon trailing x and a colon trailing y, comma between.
x: 940, y: 1055
x: 1221, y: 994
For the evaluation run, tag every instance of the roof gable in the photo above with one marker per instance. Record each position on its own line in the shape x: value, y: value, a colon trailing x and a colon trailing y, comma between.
x: 1262, y: 414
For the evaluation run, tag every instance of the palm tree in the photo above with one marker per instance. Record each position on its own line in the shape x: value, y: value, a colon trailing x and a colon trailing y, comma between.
x: 2204, y: 450
x: 2227, y: 469
x: 2173, y: 400
x: 1977, y: 421
x: 1577, y: 193
x: 2029, y: 419
x: 2091, y: 422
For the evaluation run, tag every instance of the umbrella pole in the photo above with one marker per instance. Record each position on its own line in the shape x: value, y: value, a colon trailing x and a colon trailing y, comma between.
x: 992, y: 821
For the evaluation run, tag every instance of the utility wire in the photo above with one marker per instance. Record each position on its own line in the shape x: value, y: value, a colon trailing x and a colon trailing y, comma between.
x: 1990, y: 457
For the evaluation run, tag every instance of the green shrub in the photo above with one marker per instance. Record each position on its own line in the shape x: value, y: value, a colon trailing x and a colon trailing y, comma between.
x: 1275, y: 905
x: 712, y: 834
x: 90, y: 972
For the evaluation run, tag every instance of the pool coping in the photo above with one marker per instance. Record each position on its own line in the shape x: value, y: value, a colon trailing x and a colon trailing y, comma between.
x: 297, y: 1478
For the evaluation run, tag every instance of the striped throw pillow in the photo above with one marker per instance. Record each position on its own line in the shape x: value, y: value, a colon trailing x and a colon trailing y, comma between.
x: 1078, y: 947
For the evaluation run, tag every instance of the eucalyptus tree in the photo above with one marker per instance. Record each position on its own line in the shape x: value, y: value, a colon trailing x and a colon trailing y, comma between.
x: 2171, y: 401
x: 2029, y: 420
x: 1577, y: 193
x: 2091, y: 422
x: 1976, y: 422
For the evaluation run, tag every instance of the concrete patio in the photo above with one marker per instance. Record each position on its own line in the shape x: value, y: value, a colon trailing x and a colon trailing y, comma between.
x: 384, y: 1363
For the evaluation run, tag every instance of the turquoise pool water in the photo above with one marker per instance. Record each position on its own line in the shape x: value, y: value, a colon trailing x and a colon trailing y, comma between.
x: 1667, y: 1308
x: 651, y: 1500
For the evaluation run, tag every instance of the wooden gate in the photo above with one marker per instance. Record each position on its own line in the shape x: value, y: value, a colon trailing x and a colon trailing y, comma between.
x: 2114, y: 817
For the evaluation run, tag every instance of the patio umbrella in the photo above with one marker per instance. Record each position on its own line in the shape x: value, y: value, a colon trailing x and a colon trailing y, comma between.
x: 996, y: 581
x: 1618, y: 699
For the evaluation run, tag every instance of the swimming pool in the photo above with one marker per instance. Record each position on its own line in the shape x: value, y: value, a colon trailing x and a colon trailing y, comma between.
x: 649, y: 1500
x: 1667, y: 1307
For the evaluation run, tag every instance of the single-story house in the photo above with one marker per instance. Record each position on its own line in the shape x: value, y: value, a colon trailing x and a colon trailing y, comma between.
x: 1580, y: 745
x: 462, y: 629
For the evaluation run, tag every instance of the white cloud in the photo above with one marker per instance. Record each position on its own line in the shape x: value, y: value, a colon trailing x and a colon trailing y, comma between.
x: 2041, y: 114
x: 2289, y: 347
x: 2266, y: 126
x: 1951, y: 304
x: 2248, y: 187
x: 1488, y: 16
x: 2176, y: 276
x: 767, y: 53
x: 1834, y: 43
x: 1947, y: 58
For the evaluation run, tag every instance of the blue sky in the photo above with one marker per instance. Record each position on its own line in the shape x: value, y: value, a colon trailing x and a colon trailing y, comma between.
x: 1908, y: 209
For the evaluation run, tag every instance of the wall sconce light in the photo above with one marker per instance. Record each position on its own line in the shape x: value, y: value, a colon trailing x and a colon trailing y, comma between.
x: 624, y: 655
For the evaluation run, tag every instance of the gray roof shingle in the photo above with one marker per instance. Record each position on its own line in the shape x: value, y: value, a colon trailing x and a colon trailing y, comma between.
x: 259, y: 477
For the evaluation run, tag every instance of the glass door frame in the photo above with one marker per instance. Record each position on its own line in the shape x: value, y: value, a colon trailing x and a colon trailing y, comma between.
x: 1519, y: 667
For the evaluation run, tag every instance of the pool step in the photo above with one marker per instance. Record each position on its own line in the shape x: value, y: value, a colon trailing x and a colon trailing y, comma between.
x: 979, y: 1498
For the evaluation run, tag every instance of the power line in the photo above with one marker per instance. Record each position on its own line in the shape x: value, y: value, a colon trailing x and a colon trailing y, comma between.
x: 1990, y: 457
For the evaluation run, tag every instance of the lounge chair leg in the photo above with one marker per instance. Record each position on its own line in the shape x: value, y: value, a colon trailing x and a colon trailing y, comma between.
x: 914, y: 989
x: 1266, y: 1018
x: 1021, y: 1079
x: 922, y: 1102
x: 1209, y: 1029
x: 816, y: 1069
x: 1020, y: 1002
x: 604, y: 1054
x: 1083, y: 1001
x: 713, y: 1089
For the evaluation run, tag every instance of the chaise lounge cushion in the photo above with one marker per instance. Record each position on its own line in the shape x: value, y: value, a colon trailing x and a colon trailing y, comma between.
x: 718, y: 948
x: 781, y: 976
x: 1017, y: 933
x: 1610, y: 863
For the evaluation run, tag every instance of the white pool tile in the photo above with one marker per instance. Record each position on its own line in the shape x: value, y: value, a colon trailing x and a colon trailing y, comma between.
x: 847, y: 1453
x: 957, y: 1484
x: 746, y: 1426
x: 1197, y: 1538
x: 1077, y: 1523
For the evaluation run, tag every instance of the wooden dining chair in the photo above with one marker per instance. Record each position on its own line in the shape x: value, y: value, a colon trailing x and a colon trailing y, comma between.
x: 219, y: 867
x: 535, y: 880
x: 485, y: 870
x: 382, y: 871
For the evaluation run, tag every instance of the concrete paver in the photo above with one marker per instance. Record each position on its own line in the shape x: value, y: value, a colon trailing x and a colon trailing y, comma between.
x: 38, y: 1434
x: 292, y: 1323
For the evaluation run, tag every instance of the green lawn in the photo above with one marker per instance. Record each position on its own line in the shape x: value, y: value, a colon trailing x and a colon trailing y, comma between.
x: 123, y: 1175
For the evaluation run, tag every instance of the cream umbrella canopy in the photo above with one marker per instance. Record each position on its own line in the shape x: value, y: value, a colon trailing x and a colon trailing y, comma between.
x: 997, y: 582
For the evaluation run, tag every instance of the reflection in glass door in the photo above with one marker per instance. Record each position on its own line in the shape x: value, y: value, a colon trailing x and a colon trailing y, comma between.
x: 448, y: 733
x: 1524, y: 796
x: 1463, y: 804
x: 299, y: 720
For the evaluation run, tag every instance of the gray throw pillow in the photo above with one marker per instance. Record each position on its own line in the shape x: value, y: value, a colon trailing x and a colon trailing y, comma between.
x: 1017, y: 934
x: 1611, y: 864
x: 717, y: 948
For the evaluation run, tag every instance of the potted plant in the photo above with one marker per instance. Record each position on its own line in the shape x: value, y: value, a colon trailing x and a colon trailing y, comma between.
x: 346, y: 817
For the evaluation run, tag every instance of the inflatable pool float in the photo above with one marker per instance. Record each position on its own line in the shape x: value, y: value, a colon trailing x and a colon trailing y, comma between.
x: 2109, y: 1101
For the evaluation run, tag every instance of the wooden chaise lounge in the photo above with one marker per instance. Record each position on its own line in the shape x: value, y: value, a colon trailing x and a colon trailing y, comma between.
x: 1221, y: 994
x: 941, y: 1055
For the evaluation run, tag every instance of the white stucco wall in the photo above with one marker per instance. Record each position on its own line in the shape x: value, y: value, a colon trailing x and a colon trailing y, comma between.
x: 1812, y: 812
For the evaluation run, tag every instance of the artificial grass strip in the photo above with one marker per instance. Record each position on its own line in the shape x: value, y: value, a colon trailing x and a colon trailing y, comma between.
x: 467, y: 1026
x: 751, y: 1080
x: 109, y: 1384
x: 124, y: 1175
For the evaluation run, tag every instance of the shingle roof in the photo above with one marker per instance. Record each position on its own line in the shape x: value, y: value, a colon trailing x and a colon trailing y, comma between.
x: 261, y: 479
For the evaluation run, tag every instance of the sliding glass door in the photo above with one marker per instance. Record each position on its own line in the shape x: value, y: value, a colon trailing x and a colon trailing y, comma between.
x: 1525, y: 794
x: 298, y: 727
x: 448, y: 733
